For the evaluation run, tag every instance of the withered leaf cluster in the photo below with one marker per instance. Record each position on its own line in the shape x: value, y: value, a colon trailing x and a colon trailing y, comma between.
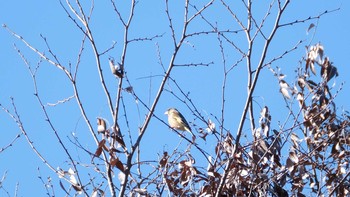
x: 310, y: 157
x: 109, y: 143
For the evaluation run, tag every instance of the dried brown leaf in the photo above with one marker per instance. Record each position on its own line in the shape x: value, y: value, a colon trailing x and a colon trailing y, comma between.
x: 129, y: 89
x: 312, y: 84
x: 117, y: 163
x: 102, y: 144
x: 164, y: 159
x: 98, y: 152
x: 170, y: 184
x: 120, y: 141
x: 77, y: 188
x: 328, y: 71
x: 276, y: 159
x: 310, y: 27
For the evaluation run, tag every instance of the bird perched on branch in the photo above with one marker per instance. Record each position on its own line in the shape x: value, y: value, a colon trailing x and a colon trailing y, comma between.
x: 116, y: 69
x: 177, y: 121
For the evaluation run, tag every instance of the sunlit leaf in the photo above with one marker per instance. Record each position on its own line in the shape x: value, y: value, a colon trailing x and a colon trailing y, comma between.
x: 244, y: 172
x: 285, y: 93
x: 211, y: 126
x: 283, y: 84
x: 112, y: 66
x: 342, y: 170
x: 289, y: 165
x: 305, y: 176
x: 312, y: 184
x: 73, y: 180
x: 293, y: 157
x: 71, y: 171
x: 320, y: 50
x: 140, y: 191
x: 121, y: 177
x: 98, y: 193
x: 264, y: 112
x: 284, y: 89
x: 301, y: 82
x: 60, y: 173
x: 94, y: 194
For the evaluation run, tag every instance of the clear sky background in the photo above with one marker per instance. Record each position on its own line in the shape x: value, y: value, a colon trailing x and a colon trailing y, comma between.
x: 31, y: 19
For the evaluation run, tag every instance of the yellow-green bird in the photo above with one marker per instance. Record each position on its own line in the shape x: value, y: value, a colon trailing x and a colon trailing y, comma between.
x: 177, y: 121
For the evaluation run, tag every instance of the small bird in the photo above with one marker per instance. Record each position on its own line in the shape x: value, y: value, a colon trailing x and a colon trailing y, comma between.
x: 177, y: 121
x: 101, y: 125
x: 116, y: 70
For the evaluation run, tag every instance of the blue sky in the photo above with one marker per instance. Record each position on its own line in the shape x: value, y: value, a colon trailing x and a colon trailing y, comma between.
x: 31, y: 19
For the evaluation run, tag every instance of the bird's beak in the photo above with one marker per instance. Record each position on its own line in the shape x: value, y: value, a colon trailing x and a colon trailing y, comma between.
x: 166, y: 113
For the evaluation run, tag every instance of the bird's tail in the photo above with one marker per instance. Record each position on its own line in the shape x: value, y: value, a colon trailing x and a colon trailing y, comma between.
x: 189, y: 130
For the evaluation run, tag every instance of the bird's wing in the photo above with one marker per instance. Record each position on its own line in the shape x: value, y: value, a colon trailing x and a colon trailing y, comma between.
x: 183, y: 121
